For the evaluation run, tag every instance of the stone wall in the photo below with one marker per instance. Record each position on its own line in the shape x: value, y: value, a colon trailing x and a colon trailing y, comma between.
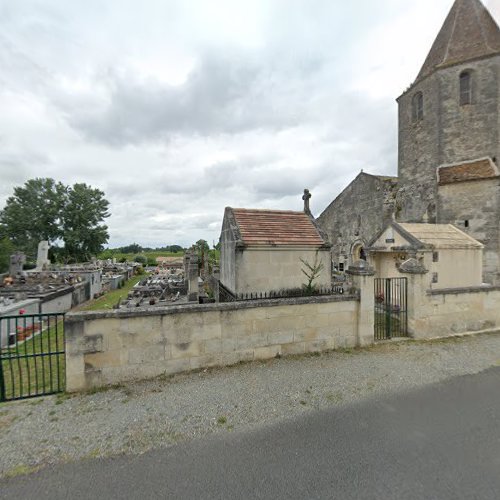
x: 272, y: 269
x: 448, y: 133
x: 357, y: 215
x: 478, y: 203
x: 442, y: 313
x: 111, y: 347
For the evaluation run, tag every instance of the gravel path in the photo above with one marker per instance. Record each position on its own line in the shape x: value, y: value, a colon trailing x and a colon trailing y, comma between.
x: 161, y: 412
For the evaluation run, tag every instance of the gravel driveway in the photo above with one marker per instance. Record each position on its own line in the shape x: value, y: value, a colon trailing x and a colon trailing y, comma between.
x: 143, y: 415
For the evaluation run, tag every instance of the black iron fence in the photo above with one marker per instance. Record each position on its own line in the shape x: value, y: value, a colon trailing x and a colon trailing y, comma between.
x: 32, y: 361
x: 226, y: 295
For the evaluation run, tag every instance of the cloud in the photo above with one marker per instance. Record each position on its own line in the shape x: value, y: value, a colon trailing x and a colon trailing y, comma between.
x: 178, y: 108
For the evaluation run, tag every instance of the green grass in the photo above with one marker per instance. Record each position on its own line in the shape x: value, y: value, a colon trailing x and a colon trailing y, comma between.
x: 26, y: 375
x: 108, y: 300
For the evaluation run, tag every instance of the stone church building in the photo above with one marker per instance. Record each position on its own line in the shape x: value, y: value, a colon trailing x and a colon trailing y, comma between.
x: 449, y: 148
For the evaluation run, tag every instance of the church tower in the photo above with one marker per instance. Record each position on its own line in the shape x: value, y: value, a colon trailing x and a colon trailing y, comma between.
x: 450, y: 115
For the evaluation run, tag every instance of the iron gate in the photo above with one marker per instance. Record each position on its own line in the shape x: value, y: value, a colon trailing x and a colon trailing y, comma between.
x: 32, y: 361
x: 391, y: 298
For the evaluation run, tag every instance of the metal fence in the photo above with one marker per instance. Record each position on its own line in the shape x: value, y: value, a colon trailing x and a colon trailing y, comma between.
x: 226, y: 295
x: 32, y: 361
x: 391, y: 313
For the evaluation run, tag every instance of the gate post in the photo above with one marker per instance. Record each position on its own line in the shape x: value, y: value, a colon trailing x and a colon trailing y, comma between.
x: 416, y: 292
x: 362, y: 279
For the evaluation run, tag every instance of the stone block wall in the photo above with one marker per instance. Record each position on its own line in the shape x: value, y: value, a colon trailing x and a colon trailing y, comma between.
x: 357, y: 215
x: 443, y: 313
x: 474, y: 207
x: 448, y: 133
x: 109, y: 347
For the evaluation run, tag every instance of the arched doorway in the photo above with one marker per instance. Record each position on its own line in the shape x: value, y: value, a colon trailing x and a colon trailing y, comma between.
x: 358, y: 252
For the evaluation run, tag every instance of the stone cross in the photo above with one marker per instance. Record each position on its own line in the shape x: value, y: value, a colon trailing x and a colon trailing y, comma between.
x: 306, y: 198
x: 16, y: 263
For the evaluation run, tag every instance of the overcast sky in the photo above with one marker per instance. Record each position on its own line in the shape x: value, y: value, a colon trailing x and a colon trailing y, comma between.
x: 178, y: 108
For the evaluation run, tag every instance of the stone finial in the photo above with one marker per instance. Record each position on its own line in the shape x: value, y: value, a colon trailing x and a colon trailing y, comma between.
x: 360, y: 268
x: 306, y: 197
x: 412, y: 266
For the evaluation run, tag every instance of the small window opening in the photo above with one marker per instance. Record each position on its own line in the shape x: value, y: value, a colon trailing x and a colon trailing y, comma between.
x: 435, y: 256
x: 418, y: 107
x: 434, y: 277
x: 341, y: 266
x: 465, y: 88
x: 466, y: 223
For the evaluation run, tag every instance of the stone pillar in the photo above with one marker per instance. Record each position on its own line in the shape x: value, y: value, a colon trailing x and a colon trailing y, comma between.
x: 187, y: 257
x: 362, y: 275
x: 193, y: 279
x: 42, y: 259
x: 417, y: 297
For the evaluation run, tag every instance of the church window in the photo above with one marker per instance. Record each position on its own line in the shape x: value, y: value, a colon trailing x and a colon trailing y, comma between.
x: 417, y: 107
x: 435, y: 278
x: 466, y: 223
x: 465, y: 88
x: 435, y: 256
x: 341, y: 267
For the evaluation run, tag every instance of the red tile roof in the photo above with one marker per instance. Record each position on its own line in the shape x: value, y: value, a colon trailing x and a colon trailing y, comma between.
x: 471, y: 171
x: 276, y: 227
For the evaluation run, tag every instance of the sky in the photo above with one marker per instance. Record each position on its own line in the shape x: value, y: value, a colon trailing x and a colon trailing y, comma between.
x: 179, y: 108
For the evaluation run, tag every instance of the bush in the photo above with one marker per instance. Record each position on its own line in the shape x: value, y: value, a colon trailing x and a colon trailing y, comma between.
x: 140, y: 259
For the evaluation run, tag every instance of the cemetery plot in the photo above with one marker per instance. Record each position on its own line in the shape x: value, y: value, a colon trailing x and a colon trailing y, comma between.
x: 32, y: 361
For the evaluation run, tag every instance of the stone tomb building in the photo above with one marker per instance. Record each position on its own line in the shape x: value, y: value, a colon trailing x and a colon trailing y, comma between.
x: 263, y: 250
x: 449, y: 147
x: 452, y: 258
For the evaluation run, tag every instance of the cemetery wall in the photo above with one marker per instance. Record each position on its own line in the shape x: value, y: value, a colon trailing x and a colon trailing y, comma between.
x: 448, y: 312
x: 110, y: 347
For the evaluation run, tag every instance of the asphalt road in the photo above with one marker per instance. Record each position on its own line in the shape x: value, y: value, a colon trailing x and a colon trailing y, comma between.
x: 439, y: 442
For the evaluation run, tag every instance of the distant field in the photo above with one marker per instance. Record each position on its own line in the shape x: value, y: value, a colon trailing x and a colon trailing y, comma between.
x: 110, y: 254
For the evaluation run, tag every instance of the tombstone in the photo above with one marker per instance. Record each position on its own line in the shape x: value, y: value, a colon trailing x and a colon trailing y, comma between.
x: 42, y: 259
x: 193, y: 279
x: 16, y: 264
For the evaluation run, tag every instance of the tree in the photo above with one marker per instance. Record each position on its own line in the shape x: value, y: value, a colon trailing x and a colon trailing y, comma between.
x: 82, y: 232
x: 44, y: 209
x: 33, y: 214
x: 6, y: 250
x: 312, y: 272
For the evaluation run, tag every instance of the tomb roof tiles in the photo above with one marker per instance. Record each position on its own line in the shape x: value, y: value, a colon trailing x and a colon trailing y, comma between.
x: 470, y: 171
x: 276, y: 228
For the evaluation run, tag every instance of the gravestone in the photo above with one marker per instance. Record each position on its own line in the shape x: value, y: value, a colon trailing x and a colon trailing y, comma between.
x: 16, y: 263
x: 193, y: 287
x: 42, y: 259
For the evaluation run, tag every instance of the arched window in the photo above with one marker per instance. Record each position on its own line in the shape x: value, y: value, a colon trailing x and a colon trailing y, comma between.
x: 465, y: 88
x: 417, y: 107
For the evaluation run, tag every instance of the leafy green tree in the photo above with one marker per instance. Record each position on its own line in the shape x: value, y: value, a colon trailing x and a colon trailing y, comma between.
x: 82, y: 230
x: 133, y: 248
x: 33, y: 214
x: 6, y: 250
x: 43, y: 209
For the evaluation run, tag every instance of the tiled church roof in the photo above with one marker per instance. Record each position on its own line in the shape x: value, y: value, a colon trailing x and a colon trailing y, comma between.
x: 470, y: 171
x: 469, y: 32
x: 276, y: 227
